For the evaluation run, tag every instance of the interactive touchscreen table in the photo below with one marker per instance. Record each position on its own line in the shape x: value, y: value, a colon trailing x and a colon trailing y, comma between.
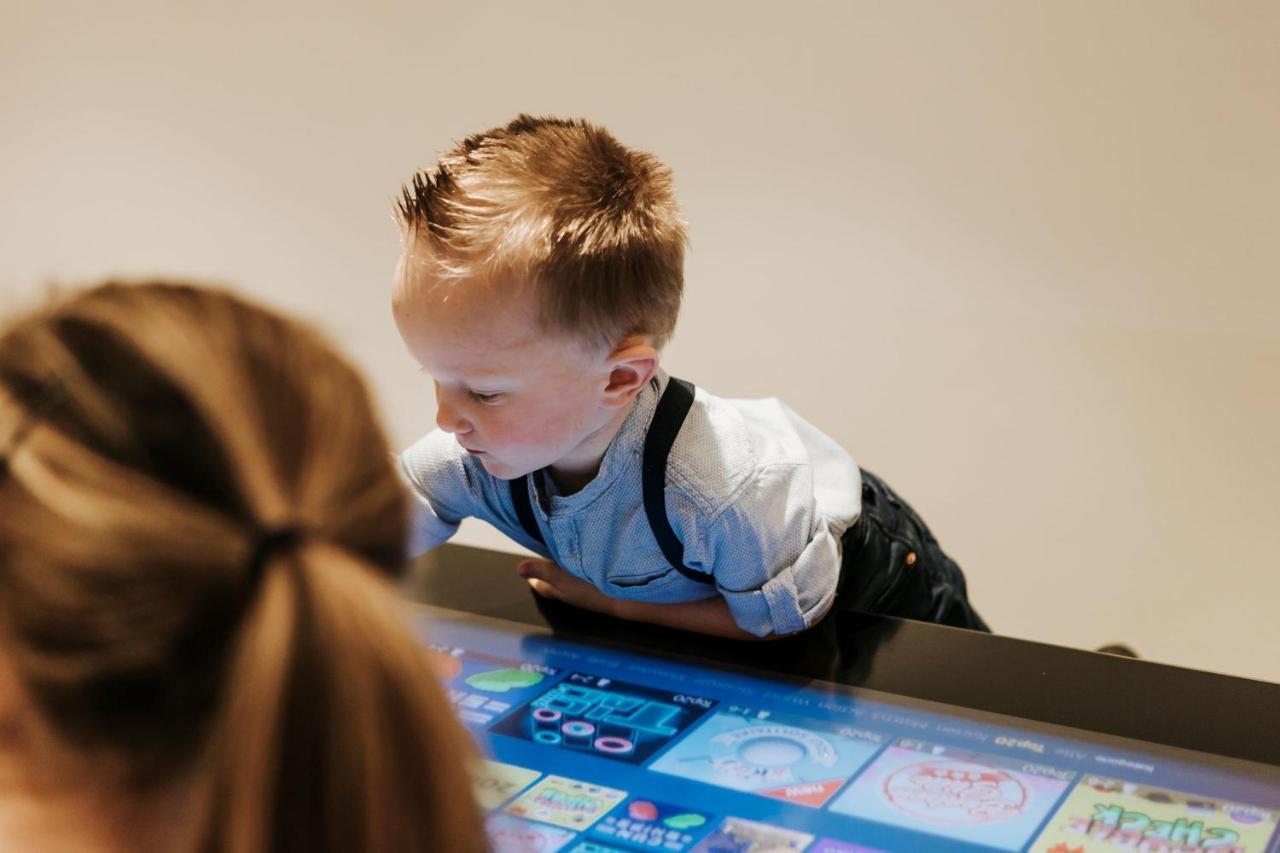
x: 868, y: 734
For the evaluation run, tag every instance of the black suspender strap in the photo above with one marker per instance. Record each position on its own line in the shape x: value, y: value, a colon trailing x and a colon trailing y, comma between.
x: 672, y: 409
x: 524, y: 508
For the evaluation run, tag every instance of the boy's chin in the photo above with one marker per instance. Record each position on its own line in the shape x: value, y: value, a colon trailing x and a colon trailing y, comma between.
x: 502, y: 470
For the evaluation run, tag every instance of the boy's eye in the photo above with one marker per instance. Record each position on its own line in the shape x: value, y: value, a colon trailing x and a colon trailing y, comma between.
x: 487, y: 399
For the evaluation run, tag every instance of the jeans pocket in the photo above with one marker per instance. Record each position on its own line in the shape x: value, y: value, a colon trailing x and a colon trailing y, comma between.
x: 882, y: 571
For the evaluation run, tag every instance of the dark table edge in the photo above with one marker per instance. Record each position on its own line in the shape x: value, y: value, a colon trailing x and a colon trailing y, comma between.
x: 1229, y: 716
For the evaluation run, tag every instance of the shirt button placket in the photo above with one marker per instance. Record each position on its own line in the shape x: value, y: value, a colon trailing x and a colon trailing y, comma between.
x: 566, y: 540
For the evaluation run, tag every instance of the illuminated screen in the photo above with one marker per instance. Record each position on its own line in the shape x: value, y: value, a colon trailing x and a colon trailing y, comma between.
x: 592, y: 750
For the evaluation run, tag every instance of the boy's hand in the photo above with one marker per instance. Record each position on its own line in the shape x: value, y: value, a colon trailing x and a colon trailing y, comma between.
x: 706, y: 616
x: 550, y: 581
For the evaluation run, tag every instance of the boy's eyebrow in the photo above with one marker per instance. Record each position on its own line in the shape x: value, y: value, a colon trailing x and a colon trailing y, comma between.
x: 499, y: 378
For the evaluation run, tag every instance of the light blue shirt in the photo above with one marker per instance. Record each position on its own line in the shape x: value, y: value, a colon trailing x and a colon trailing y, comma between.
x: 758, y: 497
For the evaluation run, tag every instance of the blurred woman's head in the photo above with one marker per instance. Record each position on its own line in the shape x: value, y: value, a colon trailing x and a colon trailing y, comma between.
x: 199, y: 524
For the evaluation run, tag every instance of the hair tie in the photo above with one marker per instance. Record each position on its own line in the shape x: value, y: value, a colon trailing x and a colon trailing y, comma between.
x: 272, y: 541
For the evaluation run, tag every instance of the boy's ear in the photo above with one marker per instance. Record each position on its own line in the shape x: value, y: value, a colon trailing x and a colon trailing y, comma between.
x: 631, y: 366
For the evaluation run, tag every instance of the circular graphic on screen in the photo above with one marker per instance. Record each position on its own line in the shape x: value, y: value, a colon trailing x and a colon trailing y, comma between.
x: 957, y: 793
x: 774, y: 745
x: 771, y: 753
x: 615, y: 745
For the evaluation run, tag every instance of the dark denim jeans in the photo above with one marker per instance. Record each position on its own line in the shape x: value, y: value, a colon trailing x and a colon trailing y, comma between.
x: 893, y: 565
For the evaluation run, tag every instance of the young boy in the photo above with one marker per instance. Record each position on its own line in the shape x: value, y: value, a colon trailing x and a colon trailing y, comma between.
x: 541, y: 276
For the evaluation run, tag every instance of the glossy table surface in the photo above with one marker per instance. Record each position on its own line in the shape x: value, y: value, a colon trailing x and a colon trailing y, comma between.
x: 1222, y: 715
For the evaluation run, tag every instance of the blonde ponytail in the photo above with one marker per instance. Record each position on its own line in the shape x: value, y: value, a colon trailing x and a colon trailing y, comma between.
x: 151, y: 436
x: 326, y: 649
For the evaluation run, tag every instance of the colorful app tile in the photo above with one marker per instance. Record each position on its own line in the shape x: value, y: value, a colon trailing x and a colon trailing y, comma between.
x: 607, y: 718
x: 832, y: 845
x: 494, y: 782
x: 589, y: 846
x: 984, y: 799
x: 512, y: 835
x: 655, y: 825
x: 736, y: 835
x: 1107, y: 814
x: 566, y: 802
x: 483, y: 688
x: 790, y: 760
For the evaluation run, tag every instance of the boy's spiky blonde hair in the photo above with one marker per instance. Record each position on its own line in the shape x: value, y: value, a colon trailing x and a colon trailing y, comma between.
x: 592, y: 224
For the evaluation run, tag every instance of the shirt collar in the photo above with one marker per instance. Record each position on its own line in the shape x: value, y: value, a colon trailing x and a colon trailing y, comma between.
x: 624, y: 450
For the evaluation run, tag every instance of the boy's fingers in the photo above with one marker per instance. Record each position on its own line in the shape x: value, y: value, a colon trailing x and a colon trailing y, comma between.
x: 541, y: 569
x: 543, y: 588
x: 535, y: 572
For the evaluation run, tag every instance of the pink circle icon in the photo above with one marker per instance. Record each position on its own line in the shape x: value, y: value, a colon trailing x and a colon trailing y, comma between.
x: 614, y: 745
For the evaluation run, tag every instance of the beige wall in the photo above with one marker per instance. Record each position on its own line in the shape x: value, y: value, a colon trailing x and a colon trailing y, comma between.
x: 1020, y: 258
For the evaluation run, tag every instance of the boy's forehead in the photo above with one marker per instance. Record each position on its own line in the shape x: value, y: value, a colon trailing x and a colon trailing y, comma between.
x: 474, y: 354
x: 476, y: 328
x: 496, y: 353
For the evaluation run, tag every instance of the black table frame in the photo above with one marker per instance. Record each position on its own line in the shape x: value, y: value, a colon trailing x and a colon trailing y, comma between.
x: 1236, y: 718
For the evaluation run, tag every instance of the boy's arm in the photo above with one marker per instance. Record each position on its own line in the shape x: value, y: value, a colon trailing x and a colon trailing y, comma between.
x: 708, y: 616
x: 772, y: 550
x: 433, y: 469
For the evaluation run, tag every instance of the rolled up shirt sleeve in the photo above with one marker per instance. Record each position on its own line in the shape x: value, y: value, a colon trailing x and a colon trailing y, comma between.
x: 774, y: 557
x: 442, y: 489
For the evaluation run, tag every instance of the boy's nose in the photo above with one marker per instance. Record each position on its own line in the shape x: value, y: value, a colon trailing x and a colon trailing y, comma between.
x: 449, y: 420
x: 448, y: 417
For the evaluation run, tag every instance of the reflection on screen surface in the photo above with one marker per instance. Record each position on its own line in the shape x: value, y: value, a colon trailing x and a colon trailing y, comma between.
x: 592, y: 750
